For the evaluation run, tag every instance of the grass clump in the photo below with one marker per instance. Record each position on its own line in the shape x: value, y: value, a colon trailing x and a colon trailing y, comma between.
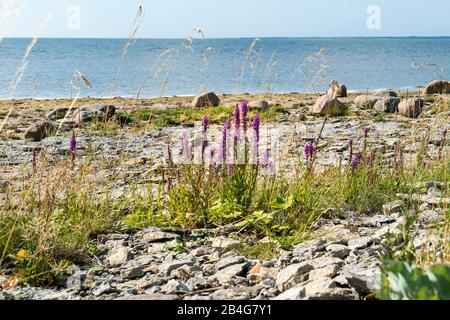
x: 51, y: 223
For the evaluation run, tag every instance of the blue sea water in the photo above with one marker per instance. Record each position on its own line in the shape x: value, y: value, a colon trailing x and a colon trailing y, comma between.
x: 178, y: 67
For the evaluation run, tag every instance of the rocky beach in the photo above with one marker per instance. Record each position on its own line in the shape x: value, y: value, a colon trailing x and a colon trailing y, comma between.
x: 338, y: 256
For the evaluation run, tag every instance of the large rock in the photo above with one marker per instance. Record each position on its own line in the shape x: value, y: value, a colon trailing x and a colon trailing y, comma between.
x: 337, y: 90
x: 437, y: 87
x: 292, y: 275
x: 175, y: 286
x: 295, y: 293
x: 118, y: 256
x: 224, y: 276
x: 168, y: 267
x: 366, y: 101
x: 360, y: 243
x: 387, y: 104
x: 39, y: 131
x: 338, y: 251
x: 326, y: 261
x: 229, y: 261
x: 362, y: 279
x: 326, y: 105
x: 326, y: 289
x: 224, y: 244
x: 101, y: 113
x: 309, y: 248
x: 341, y: 91
x: 58, y: 113
x: 325, y: 272
x: 411, y: 107
x: 152, y: 235
x: 206, y: 100
x: 259, y: 105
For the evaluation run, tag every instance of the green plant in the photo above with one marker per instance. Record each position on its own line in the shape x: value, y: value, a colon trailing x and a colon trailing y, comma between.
x: 402, y: 281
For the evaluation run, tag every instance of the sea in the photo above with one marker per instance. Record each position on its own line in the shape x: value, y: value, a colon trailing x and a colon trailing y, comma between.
x: 65, y: 68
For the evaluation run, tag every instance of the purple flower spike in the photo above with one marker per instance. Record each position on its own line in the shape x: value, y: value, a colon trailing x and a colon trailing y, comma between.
x: 350, y: 150
x: 266, y: 163
x: 265, y: 159
x: 223, y: 144
x: 356, y: 161
x: 244, y: 108
x: 228, y: 124
x: 205, y: 122
x: 256, y: 124
x: 366, y: 132
x: 237, y: 118
x: 369, y: 159
x: 309, y: 151
x: 73, y: 144
x: 236, y: 136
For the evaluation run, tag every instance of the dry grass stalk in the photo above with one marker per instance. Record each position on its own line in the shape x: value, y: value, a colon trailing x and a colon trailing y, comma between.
x: 131, y: 40
x: 20, y: 72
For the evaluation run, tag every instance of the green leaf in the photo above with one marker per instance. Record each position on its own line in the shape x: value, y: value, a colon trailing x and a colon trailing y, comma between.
x: 280, y: 204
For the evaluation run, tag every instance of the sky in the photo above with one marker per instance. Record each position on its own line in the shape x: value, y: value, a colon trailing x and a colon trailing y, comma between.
x: 228, y: 18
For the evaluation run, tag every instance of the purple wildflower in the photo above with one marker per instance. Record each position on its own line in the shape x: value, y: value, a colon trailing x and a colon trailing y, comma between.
x: 223, y: 144
x: 366, y: 132
x: 73, y: 148
x: 265, y: 159
x: 237, y: 125
x: 237, y: 118
x: 369, y: 159
x: 230, y: 169
x: 350, y: 150
x: 236, y: 136
x: 228, y: 124
x: 256, y: 124
x: 73, y: 144
x: 267, y: 164
x: 212, y: 154
x: 244, y: 108
x: 356, y: 161
x: 205, y: 122
x: 309, y: 151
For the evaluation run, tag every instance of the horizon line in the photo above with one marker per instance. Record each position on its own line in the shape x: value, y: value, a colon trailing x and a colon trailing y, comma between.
x: 225, y: 38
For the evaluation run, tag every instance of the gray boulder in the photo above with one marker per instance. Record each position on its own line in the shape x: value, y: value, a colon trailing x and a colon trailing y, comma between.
x: 259, y: 105
x: 366, y: 101
x: 38, y: 131
x: 411, y: 107
x: 206, y: 100
x: 326, y: 105
x: 437, y: 87
x: 387, y: 104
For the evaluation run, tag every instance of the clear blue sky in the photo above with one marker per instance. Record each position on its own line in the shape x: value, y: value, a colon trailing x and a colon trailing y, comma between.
x: 237, y: 18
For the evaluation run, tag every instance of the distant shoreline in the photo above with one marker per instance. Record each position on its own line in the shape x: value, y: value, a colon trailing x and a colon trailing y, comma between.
x: 278, y: 93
